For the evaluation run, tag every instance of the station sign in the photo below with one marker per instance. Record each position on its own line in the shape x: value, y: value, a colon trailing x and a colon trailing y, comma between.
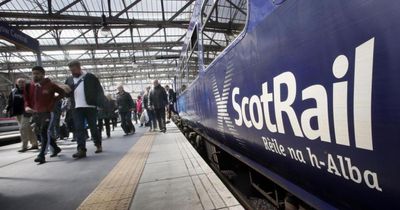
x: 17, y: 37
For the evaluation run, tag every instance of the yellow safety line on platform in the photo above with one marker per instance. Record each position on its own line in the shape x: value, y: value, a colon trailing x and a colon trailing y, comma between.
x: 118, y: 187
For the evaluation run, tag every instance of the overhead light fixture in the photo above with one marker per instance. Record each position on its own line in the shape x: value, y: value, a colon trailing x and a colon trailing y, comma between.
x: 105, y: 30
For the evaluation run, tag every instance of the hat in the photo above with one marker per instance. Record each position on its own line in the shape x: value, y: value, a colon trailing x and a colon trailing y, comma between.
x: 38, y: 68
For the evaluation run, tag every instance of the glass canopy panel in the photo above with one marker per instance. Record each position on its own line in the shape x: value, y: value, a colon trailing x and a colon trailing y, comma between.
x: 72, y: 32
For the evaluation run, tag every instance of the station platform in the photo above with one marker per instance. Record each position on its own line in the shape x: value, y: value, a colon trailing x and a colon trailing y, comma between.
x: 144, y: 171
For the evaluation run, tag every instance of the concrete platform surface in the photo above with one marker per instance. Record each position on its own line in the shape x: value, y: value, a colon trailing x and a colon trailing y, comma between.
x: 176, y: 177
x: 145, y: 171
x: 62, y: 182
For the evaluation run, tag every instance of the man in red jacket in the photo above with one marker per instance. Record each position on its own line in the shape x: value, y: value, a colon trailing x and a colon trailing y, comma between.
x: 40, y: 98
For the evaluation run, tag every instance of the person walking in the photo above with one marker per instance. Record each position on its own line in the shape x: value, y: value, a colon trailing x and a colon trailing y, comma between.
x: 106, y: 114
x: 150, y: 112
x: 139, y: 108
x: 57, y: 117
x: 114, y: 115
x: 86, y: 95
x: 158, y: 101
x: 125, y: 107
x: 3, y: 101
x: 15, y: 107
x: 40, y: 100
x: 171, y: 101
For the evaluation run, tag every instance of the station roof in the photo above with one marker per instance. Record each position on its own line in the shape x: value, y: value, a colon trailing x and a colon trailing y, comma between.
x: 145, y: 41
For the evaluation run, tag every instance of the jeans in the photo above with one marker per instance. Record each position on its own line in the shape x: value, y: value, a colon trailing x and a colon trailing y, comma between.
x: 160, y: 116
x: 44, y: 122
x: 126, y: 122
x: 171, y: 109
x: 114, y: 122
x: 79, y: 115
x: 107, y: 124
x: 56, y: 125
x: 152, y: 119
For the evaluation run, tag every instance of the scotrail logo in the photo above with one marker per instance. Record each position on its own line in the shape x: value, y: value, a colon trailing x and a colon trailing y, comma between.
x: 255, y: 111
x: 222, y: 100
x: 222, y: 103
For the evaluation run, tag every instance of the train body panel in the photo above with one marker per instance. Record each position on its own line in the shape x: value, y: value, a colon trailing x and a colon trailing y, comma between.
x: 309, y: 94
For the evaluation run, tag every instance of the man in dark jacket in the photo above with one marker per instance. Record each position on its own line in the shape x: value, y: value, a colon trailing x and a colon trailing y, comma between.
x: 171, y: 101
x: 105, y: 115
x: 40, y: 100
x: 157, y: 101
x: 16, y: 108
x: 125, y: 107
x: 86, y: 95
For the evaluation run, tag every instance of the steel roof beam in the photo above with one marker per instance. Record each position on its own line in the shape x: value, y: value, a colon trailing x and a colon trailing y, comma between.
x: 67, y: 7
x: 127, y: 8
x: 101, y: 46
x: 47, y: 25
x: 118, y: 46
x: 4, y: 2
x: 90, y: 61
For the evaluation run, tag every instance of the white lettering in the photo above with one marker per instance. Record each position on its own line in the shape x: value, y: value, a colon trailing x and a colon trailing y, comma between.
x: 267, y: 97
x: 236, y: 106
x: 255, y: 100
x: 362, y: 94
x: 318, y: 93
x: 247, y: 122
x: 287, y: 79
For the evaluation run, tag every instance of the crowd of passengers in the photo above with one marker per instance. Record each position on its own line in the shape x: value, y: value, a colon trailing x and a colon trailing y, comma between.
x: 47, y: 110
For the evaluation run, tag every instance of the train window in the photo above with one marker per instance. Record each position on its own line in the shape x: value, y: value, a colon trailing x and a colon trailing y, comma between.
x: 189, y: 67
x: 193, y: 39
x: 223, y: 21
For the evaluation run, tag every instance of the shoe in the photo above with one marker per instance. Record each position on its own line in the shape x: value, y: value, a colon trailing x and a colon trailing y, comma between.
x: 40, y: 159
x: 56, y: 151
x: 126, y: 134
x: 99, y: 149
x: 150, y: 130
x: 79, y: 154
x: 23, y: 150
x: 33, y: 147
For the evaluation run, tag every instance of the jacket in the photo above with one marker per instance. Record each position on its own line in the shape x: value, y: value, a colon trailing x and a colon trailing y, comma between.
x: 15, y: 104
x: 145, y: 101
x: 41, y: 97
x: 171, y: 96
x: 139, y: 107
x: 124, y: 102
x: 94, y: 93
x: 158, y: 97
x: 108, y: 109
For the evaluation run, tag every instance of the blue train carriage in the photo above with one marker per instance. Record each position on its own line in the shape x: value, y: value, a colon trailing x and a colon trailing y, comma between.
x: 304, y: 93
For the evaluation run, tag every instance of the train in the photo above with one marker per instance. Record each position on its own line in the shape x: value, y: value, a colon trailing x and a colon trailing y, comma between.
x: 305, y: 94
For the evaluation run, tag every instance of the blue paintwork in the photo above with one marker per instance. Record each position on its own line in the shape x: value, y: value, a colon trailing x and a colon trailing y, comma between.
x: 304, y: 37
